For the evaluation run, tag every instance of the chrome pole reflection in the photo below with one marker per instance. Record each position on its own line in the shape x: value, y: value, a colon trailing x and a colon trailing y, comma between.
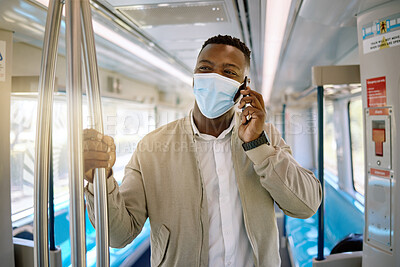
x: 74, y: 98
x: 44, y: 118
x: 93, y: 93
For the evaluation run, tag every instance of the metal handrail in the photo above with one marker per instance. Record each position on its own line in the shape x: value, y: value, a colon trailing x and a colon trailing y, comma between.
x: 284, y: 138
x: 73, y: 20
x: 44, y: 118
x: 74, y: 98
x: 93, y: 92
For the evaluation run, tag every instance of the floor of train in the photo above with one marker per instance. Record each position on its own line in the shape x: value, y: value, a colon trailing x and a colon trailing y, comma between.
x: 144, y: 260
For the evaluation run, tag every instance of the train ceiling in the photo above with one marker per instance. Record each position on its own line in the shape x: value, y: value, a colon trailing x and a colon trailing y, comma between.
x: 318, y: 32
x: 180, y: 27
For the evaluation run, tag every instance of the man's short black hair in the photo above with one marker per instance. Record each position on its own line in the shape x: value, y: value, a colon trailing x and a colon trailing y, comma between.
x: 229, y: 40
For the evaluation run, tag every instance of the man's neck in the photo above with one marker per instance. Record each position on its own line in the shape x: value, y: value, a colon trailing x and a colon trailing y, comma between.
x: 212, y: 127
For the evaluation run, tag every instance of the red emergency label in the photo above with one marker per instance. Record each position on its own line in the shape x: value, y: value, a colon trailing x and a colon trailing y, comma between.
x: 376, y: 92
x: 381, y: 173
x: 379, y: 111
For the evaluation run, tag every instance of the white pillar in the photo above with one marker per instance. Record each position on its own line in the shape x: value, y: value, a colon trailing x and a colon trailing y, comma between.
x: 379, y: 51
x: 6, y: 243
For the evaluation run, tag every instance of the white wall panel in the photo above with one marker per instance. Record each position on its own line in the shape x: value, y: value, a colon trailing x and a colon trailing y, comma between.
x: 6, y: 244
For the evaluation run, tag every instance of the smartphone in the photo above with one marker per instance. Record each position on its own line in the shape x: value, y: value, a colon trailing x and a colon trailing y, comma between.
x: 244, y: 84
x: 242, y: 87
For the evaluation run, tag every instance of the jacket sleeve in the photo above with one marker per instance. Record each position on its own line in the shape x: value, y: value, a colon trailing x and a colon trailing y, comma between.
x: 127, y: 210
x: 295, y: 189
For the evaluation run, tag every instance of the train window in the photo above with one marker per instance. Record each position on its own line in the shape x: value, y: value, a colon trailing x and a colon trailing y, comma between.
x: 330, y: 156
x: 167, y: 115
x: 126, y: 122
x: 357, y: 147
x: 22, y: 154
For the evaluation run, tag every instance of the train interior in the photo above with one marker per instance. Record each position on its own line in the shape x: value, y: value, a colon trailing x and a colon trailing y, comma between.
x: 329, y: 75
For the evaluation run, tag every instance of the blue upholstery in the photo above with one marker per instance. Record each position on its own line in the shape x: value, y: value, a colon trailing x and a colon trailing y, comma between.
x: 343, y: 215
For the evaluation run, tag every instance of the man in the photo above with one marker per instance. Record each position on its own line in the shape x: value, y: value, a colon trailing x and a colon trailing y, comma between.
x: 208, y: 182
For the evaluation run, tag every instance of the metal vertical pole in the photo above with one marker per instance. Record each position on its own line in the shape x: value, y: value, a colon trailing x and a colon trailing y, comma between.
x: 51, y: 198
x: 93, y: 93
x: 74, y: 97
x: 44, y: 114
x: 284, y: 121
x: 284, y: 137
x: 320, y: 92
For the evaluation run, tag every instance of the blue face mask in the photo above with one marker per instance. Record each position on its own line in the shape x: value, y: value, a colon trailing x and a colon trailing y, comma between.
x: 214, y: 93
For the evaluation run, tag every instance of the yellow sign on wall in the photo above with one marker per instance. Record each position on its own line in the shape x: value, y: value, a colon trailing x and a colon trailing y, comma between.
x: 383, y: 26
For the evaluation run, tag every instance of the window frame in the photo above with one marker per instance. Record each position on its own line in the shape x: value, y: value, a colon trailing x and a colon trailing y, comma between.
x: 357, y: 194
x: 334, y: 173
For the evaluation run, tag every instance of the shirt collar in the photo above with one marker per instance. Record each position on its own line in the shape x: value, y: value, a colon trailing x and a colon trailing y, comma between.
x: 208, y: 137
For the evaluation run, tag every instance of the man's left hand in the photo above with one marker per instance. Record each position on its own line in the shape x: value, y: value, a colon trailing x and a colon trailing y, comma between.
x: 251, y: 129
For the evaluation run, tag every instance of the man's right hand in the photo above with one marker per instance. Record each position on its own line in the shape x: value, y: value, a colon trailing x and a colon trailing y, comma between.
x: 98, y: 152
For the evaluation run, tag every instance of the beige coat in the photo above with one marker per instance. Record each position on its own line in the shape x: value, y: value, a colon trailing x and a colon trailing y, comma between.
x: 163, y: 182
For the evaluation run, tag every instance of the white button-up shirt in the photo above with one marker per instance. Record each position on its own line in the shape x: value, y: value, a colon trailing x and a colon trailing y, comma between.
x: 228, y: 241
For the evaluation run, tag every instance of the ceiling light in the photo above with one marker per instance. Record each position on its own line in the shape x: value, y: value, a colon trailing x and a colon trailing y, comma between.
x: 276, y: 18
x: 43, y: 2
x: 138, y: 51
x: 135, y: 49
x: 138, y: 8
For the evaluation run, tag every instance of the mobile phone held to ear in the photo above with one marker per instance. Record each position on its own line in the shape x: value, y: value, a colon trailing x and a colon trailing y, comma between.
x: 244, y: 84
x: 243, y: 87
